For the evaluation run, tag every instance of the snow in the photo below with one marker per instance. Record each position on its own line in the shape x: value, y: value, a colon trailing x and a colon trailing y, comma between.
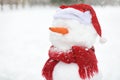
x: 24, y: 42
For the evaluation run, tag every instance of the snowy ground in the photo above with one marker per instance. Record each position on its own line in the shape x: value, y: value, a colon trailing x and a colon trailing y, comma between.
x: 24, y: 42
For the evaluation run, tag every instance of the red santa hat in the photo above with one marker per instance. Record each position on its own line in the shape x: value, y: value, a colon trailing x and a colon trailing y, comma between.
x: 83, y: 13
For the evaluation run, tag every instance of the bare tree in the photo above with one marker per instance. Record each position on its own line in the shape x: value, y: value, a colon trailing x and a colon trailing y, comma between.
x: 1, y: 3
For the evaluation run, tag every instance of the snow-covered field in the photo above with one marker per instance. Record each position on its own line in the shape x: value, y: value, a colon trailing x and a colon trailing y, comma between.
x: 24, y: 42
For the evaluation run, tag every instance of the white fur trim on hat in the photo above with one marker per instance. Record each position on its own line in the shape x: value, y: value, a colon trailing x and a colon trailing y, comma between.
x: 70, y: 13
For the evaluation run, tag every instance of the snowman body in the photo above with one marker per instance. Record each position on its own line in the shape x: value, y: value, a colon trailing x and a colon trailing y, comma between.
x: 73, y: 33
x: 63, y: 71
x: 80, y: 35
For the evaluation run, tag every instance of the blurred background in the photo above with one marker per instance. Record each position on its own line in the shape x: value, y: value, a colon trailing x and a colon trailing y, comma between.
x: 16, y: 3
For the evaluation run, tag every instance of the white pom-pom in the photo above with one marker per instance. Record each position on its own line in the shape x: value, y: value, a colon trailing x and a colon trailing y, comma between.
x: 103, y: 40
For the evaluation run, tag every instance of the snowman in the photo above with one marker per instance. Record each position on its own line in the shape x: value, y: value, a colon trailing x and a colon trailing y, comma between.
x: 73, y: 33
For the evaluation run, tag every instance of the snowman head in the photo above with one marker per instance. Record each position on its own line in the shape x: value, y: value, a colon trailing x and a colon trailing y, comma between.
x: 74, y: 25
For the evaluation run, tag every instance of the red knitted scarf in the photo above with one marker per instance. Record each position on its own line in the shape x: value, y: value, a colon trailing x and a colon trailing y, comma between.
x: 84, y: 58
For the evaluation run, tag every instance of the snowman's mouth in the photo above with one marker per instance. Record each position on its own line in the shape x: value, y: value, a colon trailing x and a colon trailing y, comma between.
x: 61, y: 30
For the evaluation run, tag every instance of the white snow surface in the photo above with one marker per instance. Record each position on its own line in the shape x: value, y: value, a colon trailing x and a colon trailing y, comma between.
x: 24, y: 42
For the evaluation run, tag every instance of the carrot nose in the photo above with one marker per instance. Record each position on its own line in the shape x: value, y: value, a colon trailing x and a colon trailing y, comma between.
x: 60, y: 30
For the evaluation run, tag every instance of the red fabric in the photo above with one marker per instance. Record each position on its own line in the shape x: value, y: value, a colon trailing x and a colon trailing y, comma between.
x: 85, y: 59
x: 85, y: 7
